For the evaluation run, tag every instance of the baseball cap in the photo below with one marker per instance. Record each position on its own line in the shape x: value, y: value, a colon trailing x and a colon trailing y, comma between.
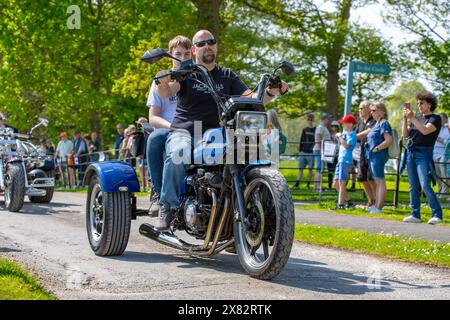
x: 348, y: 119
x: 335, y: 123
x: 326, y: 116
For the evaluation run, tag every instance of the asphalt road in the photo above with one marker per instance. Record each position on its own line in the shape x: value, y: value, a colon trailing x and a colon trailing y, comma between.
x: 51, y: 242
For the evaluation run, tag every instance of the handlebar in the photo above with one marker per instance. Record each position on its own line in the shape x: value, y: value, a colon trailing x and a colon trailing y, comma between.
x: 188, y: 68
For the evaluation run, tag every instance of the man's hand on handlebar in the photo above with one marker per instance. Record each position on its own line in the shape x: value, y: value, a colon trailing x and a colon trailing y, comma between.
x: 165, y: 86
x: 280, y: 88
x: 163, y: 77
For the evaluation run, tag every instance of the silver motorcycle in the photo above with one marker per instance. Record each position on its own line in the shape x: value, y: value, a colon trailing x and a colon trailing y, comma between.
x: 22, y: 169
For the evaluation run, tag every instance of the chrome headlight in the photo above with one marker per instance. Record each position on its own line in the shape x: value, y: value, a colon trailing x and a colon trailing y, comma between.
x: 250, y: 121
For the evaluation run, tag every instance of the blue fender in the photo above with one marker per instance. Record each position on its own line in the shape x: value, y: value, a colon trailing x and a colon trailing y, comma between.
x: 258, y: 163
x: 113, y: 175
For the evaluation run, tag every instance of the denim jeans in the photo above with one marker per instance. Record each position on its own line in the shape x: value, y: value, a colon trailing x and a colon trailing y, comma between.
x: 418, y: 166
x: 156, y: 145
x: 178, y: 157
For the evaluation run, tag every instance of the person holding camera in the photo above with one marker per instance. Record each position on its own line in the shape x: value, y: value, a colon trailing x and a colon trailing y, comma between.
x: 421, y: 134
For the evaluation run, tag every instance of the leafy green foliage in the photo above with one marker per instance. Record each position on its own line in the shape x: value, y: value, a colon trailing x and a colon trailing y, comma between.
x: 321, y: 42
x: 429, y: 55
x: 407, y: 91
x: 67, y: 75
x: 92, y: 78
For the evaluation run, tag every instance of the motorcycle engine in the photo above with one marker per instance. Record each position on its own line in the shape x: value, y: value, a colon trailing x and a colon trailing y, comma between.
x: 194, y: 219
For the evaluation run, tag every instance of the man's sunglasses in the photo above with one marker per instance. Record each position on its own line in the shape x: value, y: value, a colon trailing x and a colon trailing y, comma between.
x: 202, y: 43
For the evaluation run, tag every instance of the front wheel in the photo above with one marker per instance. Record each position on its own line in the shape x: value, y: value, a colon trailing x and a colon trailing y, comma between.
x: 14, y: 186
x: 264, y: 242
x: 49, y: 191
x: 108, y: 219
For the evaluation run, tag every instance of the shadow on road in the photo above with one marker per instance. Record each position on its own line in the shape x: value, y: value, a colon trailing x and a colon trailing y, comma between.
x: 44, y: 208
x: 8, y: 250
x: 303, y: 274
x: 318, y: 277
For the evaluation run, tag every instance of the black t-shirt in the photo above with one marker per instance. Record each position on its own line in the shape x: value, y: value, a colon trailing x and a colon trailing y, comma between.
x: 307, y: 140
x: 362, y: 126
x: 418, y: 139
x: 195, y: 103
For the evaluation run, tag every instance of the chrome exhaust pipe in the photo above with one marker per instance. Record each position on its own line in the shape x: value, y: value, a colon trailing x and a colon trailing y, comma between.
x: 165, y: 238
x: 172, y: 241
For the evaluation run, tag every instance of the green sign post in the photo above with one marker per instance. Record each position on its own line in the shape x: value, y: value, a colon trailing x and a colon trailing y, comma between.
x: 357, y: 66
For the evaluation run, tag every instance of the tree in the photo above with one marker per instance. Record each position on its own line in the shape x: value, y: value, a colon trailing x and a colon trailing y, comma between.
x: 406, y: 91
x: 208, y: 16
x: 429, y: 20
x: 67, y: 75
x: 322, y: 42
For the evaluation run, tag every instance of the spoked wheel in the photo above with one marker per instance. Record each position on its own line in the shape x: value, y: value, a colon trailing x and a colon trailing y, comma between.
x: 264, y: 241
x: 108, y: 219
x: 96, y: 213
x: 14, y: 186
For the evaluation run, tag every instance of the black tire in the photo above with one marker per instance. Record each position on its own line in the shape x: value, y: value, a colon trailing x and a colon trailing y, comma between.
x: 278, y: 221
x: 109, y: 236
x: 49, y: 192
x: 14, y: 186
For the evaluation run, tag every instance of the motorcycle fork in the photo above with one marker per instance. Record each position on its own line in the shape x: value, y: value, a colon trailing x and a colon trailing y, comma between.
x: 237, y: 188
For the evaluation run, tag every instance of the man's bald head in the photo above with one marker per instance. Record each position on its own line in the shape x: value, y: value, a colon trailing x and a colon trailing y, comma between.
x: 200, y: 35
x: 205, y: 52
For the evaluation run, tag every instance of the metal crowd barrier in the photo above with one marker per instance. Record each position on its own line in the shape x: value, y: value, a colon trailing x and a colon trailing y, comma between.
x: 69, y: 175
x: 396, y: 173
x: 111, y: 155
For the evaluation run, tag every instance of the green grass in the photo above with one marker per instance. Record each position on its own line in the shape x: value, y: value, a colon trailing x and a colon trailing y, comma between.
x: 389, y: 212
x: 406, y: 249
x: 16, y: 284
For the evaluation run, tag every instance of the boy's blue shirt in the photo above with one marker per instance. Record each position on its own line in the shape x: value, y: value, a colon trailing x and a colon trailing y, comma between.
x: 345, y: 155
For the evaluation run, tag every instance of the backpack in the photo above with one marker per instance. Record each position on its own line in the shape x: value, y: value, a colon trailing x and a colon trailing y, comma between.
x: 139, y: 143
x: 394, y: 148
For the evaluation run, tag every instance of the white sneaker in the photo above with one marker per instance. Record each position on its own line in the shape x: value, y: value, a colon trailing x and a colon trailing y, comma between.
x: 411, y: 219
x: 370, y: 208
x: 375, y: 210
x: 434, y: 221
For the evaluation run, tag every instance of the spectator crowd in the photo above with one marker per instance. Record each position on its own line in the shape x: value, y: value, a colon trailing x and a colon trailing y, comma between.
x: 358, y: 147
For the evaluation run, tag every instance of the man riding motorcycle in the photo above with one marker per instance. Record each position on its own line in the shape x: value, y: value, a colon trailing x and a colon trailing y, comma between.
x: 195, y: 104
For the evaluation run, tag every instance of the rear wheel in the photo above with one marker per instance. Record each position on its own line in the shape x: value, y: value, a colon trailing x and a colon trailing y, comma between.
x: 14, y: 186
x: 108, y: 219
x: 264, y: 243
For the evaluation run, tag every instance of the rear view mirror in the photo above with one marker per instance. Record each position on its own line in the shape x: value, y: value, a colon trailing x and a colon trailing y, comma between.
x: 44, y: 122
x: 153, y: 56
x: 287, y: 68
